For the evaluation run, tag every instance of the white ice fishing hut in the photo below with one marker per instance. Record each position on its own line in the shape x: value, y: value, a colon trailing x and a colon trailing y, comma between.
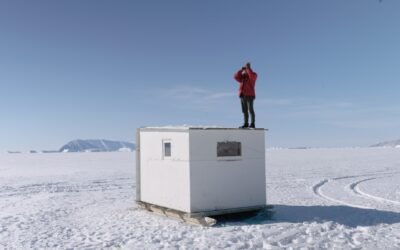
x: 204, y: 171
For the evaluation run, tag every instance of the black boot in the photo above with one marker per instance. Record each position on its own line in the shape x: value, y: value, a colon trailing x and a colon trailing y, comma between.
x: 245, y: 125
x: 252, y: 125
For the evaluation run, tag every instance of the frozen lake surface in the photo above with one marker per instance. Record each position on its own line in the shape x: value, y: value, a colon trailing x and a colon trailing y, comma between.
x: 323, y: 198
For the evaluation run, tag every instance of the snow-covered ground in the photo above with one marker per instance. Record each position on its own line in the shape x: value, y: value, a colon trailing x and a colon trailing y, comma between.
x: 324, y: 198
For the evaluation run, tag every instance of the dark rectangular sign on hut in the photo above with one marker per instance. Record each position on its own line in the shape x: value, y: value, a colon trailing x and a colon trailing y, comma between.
x: 229, y: 148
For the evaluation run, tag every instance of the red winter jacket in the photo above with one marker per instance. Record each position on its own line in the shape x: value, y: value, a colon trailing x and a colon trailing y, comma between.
x: 247, y: 82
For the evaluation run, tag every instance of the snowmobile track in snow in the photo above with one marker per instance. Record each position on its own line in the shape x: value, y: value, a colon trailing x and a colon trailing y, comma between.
x: 354, y: 189
x: 317, y: 189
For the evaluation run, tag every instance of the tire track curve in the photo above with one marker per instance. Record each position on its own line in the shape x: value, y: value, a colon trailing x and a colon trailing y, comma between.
x: 317, y: 189
x: 354, y: 187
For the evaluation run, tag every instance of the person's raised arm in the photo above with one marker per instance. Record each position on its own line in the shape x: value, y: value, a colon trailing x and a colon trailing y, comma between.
x: 238, y: 76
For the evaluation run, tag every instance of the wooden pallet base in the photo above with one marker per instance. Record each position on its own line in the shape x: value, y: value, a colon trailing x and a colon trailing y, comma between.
x: 202, y: 218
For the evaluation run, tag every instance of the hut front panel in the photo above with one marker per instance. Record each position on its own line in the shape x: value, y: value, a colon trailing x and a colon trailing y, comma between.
x: 225, y: 182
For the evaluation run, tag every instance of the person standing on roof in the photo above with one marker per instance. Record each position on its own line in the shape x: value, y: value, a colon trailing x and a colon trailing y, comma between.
x: 246, y: 78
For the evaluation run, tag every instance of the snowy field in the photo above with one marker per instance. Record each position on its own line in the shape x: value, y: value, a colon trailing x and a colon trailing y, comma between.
x: 324, y: 198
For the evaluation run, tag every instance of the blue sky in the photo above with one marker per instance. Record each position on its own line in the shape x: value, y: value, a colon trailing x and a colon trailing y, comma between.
x: 328, y: 70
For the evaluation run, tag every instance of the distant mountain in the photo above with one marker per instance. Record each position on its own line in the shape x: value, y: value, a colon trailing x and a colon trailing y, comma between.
x: 393, y: 144
x: 97, y: 146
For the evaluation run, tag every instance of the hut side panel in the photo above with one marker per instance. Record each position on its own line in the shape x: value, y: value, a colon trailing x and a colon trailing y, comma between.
x: 164, y: 169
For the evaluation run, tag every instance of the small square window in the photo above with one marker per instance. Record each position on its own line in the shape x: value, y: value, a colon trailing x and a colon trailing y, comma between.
x: 167, y: 148
x: 229, y: 148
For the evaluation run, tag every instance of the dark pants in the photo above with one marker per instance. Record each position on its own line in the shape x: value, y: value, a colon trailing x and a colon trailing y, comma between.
x: 247, y: 107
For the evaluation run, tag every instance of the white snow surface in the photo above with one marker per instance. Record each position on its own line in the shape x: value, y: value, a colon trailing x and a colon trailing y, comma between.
x: 323, y: 198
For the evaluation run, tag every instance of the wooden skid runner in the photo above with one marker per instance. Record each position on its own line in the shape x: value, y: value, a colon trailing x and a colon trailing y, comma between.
x: 182, y: 216
x: 193, y: 218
